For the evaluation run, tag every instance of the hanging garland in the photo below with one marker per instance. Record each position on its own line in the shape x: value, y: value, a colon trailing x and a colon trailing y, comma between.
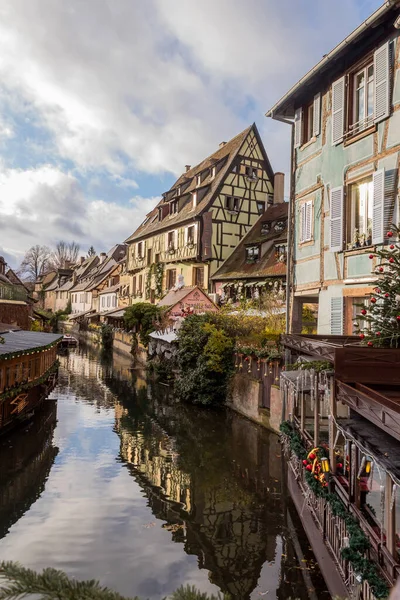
x: 316, y: 365
x: 29, y: 351
x: 16, y: 390
x: 358, y: 541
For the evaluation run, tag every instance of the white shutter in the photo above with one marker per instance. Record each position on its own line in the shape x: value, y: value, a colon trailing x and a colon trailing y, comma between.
x: 308, y: 225
x: 302, y: 222
x: 196, y: 225
x: 378, y: 206
x: 186, y: 236
x: 382, y: 83
x: 298, y: 127
x: 176, y: 239
x: 166, y: 242
x: 317, y: 115
x: 337, y: 316
x: 336, y: 220
x: 338, y: 101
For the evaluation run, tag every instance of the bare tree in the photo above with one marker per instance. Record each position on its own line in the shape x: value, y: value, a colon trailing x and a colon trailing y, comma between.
x: 64, y: 254
x: 36, y: 262
x: 91, y: 252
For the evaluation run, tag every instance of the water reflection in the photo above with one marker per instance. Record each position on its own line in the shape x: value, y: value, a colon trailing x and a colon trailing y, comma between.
x: 146, y: 494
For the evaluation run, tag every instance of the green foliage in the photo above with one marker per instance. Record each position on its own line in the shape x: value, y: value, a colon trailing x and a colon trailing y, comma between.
x: 68, y: 308
x: 163, y: 370
x: 142, y: 318
x: 158, y: 279
x: 382, y: 315
x: 51, y: 584
x: 107, y: 338
x: 358, y: 541
x: 36, y: 326
x: 316, y: 365
x: 309, y: 321
x: 205, y: 361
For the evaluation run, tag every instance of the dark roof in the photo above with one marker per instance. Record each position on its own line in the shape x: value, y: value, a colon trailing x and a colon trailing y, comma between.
x: 365, y: 37
x: 23, y: 341
x: 236, y: 267
x: 227, y: 153
x: 108, y: 290
x: 175, y: 296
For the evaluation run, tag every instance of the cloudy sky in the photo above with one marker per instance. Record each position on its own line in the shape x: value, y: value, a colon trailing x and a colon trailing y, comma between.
x: 103, y: 102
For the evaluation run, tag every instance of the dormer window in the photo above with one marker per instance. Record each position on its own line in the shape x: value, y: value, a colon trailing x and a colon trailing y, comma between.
x: 265, y: 228
x: 173, y: 208
x: 160, y: 214
x: 252, y: 254
x: 140, y: 250
x: 194, y: 199
x: 198, y: 180
x: 178, y: 190
x: 212, y: 172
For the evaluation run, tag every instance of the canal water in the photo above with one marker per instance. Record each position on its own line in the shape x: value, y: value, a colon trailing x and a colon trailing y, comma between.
x: 113, y: 480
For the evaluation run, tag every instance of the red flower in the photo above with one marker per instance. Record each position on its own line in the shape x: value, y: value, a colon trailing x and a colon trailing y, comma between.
x: 363, y: 312
x: 305, y: 462
x: 370, y: 344
x: 378, y: 333
x: 390, y: 233
x: 373, y: 300
x: 392, y: 246
x: 371, y: 256
x: 386, y: 295
x: 312, y: 456
x: 391, y: 259
x: 309, y: 467
x: 362, y: 336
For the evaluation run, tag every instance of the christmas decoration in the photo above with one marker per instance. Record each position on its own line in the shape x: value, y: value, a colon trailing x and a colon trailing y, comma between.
x: 380, y: 321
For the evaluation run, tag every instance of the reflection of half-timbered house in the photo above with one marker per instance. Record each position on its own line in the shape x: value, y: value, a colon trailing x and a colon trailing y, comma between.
x: 201, y: 219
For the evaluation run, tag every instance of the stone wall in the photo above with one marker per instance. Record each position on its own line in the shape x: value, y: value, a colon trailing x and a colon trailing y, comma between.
x: 15, y: 312
x: 246, y: 396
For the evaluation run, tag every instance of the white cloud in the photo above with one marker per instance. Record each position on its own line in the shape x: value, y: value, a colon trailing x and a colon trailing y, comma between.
x: 45, y: 205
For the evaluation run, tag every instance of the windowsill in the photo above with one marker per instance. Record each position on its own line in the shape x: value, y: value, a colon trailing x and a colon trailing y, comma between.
x: 232, y: 212
x: 306, y: 243
x: 360, y: 250
x: 359, y: 136
x: 309, y: 143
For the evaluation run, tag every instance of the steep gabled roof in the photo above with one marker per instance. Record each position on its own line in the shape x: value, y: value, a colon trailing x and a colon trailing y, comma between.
x: 236, y: 267
x: 14, y: 279
x: 225, y: 155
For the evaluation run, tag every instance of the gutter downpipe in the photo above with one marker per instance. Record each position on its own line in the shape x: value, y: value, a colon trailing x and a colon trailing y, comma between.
x: 367, y: 23
x: 291, y: 209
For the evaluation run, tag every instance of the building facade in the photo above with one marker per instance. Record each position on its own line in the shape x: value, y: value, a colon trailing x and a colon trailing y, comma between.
x: 345, y: 115
x: 201, y: 219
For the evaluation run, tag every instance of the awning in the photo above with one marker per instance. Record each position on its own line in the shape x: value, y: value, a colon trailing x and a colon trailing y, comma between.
x: 115, y: 315
x: 82, y: 314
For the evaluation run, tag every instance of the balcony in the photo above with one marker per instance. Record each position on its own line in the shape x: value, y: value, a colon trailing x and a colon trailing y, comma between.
x: 13, y: 292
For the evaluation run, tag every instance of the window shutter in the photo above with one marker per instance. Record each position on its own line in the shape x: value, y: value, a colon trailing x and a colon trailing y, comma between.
x: 298, y: 127
x: 389, y: 212
x: 336, y: 221
x: 302, y: 222
x: 308, y: 225
x: 166, y: 241
x: 338, y: 100
x: 337, y: 316
x: 382, y: 83
x: 176, y: 239
x: 317, y: 115
x: 378, y: 206
x: 186, y: 236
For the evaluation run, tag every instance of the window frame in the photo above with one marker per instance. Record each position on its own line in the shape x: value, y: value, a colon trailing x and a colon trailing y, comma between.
x: 304, y: 204
x: 197, y: 271
x: 255, y: 255
x: 308, y: 122
x: 258, y: 204
x: 170, y: 274
x: 350, y: 214
x: 350, y: 97
x: 234, y: 200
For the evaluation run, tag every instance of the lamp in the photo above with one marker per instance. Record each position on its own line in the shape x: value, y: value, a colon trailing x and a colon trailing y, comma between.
x: 368, y: 465
x: 325, y: 465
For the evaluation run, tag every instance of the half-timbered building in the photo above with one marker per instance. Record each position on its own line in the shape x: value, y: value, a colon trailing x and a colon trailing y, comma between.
x: 201, y: 219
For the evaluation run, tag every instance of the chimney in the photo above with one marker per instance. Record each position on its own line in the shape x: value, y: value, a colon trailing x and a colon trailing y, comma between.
x: 2, y: 266
x: 102, y: 257
x: 222, y: 144
x: 81, y: 260
x: 187, y: 167
x: 279, y: 187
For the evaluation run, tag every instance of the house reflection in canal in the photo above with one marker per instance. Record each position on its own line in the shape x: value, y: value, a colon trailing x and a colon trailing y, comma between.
x: 26, y: 458
x: 213, y: 485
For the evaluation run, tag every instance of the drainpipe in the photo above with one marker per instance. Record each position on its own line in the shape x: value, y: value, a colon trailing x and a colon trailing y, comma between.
x: 291, y: 210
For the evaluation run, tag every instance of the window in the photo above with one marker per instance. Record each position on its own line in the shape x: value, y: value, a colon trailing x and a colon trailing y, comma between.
x: 252, y: 254
x: 173, y: 207
x: 357, y: 305
x: 306, y: 220
x: 140, y: 283
x: 134, y: 285
x: 363, y: 99
x: 114, y: 301
x: 199, y: 276
x: 359, y: 232
x: 140, y: 250
x: 308, y: 122
x: 251, y: 172
x: 194, y: 199
x: 108, y: 301
x: 212, y: 172
x: 190, y: 235
x: 171, y: 240
x: 149, y: 256
x: 198, y: 180
x: 178, y: 190
x: 232, y: 203
x: 157, y: 258
x: 265, y: 228
x: 260, y: 207
x: 171, y: 278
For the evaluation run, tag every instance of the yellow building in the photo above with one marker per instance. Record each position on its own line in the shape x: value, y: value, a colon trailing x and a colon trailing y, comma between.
x: 201, y: 219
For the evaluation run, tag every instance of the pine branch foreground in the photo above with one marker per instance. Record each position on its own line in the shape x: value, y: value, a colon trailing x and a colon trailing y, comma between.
x: 17, y: 582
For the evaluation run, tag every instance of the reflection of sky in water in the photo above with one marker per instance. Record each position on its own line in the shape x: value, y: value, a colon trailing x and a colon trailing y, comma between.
x: 93, y: 519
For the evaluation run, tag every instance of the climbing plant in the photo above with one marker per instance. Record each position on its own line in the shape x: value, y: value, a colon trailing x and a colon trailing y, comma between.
x: 158, y: 279
x: 141, y: 318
